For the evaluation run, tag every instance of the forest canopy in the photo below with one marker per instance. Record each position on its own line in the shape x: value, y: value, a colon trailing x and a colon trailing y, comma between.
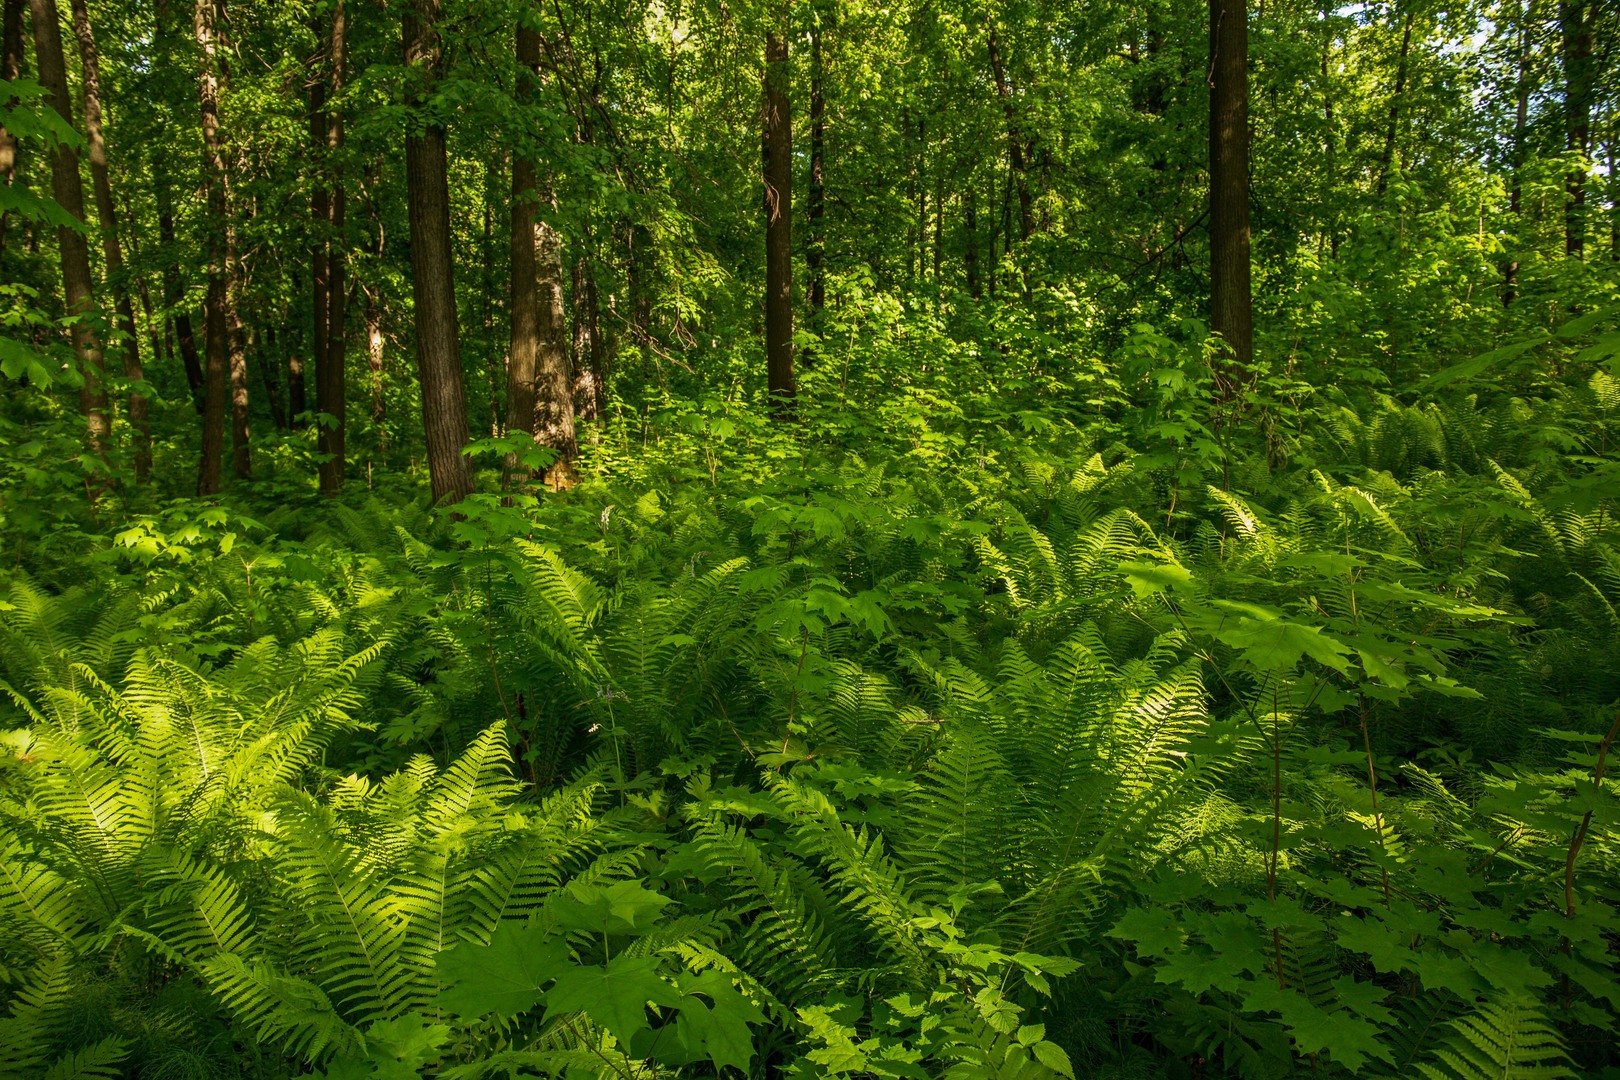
x: 809, y: 538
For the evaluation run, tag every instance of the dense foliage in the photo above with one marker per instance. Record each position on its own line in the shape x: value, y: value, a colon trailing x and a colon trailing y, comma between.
x: 1036, y: 696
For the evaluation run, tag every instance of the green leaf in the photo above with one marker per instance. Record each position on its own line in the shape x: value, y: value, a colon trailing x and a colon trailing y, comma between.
x: 625, y: 907
x: 615, y: 995
x: 503, y: 977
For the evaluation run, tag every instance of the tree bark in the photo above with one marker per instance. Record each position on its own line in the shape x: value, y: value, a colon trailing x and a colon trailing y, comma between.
x: 539, y: 393
x: 589, y: 350
x: 320, y: 226
x: 970, y: 243
x: 174, y: 299
x: 778, y: 145
x: 112, y: 250
x: 438, y: 347
x: 67, y: 188
x: 1521, y: 115
x: 816, y: 193
x: 1230, y: 298
x: 215, y: 335
x: 235, y: 273
x: 1016, y: 149
x: 11, y: 45
x: 1386, y: 158
x: 1576, y: 26
x: 329, y: 382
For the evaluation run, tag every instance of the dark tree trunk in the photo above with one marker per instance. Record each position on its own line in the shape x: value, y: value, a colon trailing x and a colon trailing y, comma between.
x: 320, y: 228
x: 970, y: 242
x: 1521, y: 115
x: 215, y: 343
x: 1575, y: 24
x: 112, y: 251
x: 1331, y: 141
x: 11, y: 44
x: 67, y: 188
x: 816, y: 194
x: 778, y: 141
x: 269, y: 369
x: 1017, y: 151
x: 589, y: 351
x: 215, y: 58
x: 329, y: 383
x: 1230, y: 299
x: 438, y: 348
x: 494, y: 376
x: 1386, y: 158
x: 174, y: 299
x: 539, y: 393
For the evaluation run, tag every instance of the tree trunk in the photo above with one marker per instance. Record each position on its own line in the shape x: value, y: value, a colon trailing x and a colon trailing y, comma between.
x: 1521, y: 115
x: 215, y: 57
x: 1016, y: 157
x: 970, y: 241
x: 329, y: 383
x: 815, y: 196
x: 215, y: 334
x: 67, y: 187
x: 494, y: 374
x: 438, y: 348
x: 539, y: 394
x: 1330, y: 140
x: 11, y: 45
x: 1386, y: 158
x: 112, y: 251
x: 374, y: 366
x: 589, y: 352
x: 320, y: 228
x: 778, y: 139
x: 269, y: 373
x: 1230, y: 299
x: 1576, y: 26
x: 175, y: 300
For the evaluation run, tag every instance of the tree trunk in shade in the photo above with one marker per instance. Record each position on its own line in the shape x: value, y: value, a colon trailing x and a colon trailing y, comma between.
x: 438, y: 347
x: 320, y: 225
x: 1575, y: 24
x: 215, y: 56
x: 1230, y: 300
x: 329, y: 383
x: 11, y: 44
x: 175, y: 301
x: 778, y: 139
x: 112, y: 250
x: 816, y: 193
x: 215, y: 334
x: 67, y: 188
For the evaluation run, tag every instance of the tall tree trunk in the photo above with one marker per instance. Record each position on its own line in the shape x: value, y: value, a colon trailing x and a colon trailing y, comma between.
x: 215, y: 334
x: 215, y: 57
x: 1386, y: 158
x: 589, y: 352
x: 175, y: 301
x: 539, y: 393
x: 330, y: 397
x: 268, y: 353
x: 494, y: 374
x: 778, y: 140
x: 374, y: 365
x: 438, y: 347
x: 1330, y: 138
x: 1575, y: 23
x: 1230, y: 299
x: 1016, y: 149
x: 107, y: 219
x: 11, y: 45
x: 1521, y: 115
x: 970, y: 241
x: 320, y: 229
x: 816, y: 194
x: 67, y: 188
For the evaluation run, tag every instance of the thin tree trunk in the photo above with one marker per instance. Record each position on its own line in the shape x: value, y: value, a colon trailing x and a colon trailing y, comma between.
x: 112, y: 251
x: 778, y: 140
x: 374, y: 366
x: 1230, y: 298
x: 590, y: 360
x: 330, y: 395
x: 1331, y: 139
x: 1016, y: 156
x: 970, y: 252
x: 215, y: 343
x: 553, y: 390
x: 268, y: 373
x: 320, y: 227
x: 816, y: 194
x: 1521, y: 115
x: 1576, y: 26
x: 1386, y: 159
x: 215, y: 56
x: 11, y: 45
x: 67, y: 188
x: 174, y: 299
x: 438, y: 348
x: 494, y: 376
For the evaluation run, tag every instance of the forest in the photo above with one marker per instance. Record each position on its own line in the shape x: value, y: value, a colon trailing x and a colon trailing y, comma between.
x: 809, y: 538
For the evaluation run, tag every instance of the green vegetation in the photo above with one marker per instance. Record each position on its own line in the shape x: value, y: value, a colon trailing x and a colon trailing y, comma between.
x: 962, y: 663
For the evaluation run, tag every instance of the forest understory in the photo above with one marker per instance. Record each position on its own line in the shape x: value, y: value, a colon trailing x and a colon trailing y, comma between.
x: 814, y: 539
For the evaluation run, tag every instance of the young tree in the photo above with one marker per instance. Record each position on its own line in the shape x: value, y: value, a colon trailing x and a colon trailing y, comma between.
x: 438, y: 347
x: 67, y: 188
x: 1230, y: 301
x: 778, y: 147
x: 112, y: 250
x: 329, y: 381
x: 215, y: 334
